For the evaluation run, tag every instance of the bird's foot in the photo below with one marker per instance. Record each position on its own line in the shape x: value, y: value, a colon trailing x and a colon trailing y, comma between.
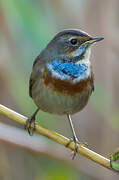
x: 30, y: 125
x: 77, y: 143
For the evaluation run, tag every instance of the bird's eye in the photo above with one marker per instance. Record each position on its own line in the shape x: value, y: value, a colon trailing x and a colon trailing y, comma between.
x: 73, y: 41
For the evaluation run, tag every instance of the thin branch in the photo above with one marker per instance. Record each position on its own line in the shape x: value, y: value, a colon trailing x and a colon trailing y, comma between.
x: 97, y: 158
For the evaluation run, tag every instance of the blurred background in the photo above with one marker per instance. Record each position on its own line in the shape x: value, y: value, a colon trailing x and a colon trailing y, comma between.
x: 26, y: 26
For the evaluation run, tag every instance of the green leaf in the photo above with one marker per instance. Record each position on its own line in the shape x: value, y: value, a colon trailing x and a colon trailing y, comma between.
x: 114, y: 158
x: 115, y: 165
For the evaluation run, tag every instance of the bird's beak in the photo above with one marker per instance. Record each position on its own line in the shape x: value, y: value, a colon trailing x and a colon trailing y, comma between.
x: 96, y: 39
x: 93, y: 40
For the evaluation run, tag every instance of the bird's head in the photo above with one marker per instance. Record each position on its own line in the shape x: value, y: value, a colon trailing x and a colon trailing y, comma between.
x: 73, y: 44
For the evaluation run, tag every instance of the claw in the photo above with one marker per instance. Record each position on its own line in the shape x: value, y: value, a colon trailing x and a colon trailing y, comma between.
x: 30, y: 125
x: 77, y: 142
x: 75, y: 150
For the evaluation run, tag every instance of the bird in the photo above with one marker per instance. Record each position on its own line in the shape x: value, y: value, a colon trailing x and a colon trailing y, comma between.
x: 62, y: 78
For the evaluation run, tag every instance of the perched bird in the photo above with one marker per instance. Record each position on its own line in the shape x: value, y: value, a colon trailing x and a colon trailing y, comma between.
x: 62, y: 79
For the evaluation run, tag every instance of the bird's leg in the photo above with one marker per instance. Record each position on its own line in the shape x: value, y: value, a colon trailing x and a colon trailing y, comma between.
x: 75, y: 139
x: 30, y: 123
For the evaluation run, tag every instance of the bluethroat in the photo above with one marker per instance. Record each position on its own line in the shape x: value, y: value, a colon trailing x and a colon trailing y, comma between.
x: 62, y: 79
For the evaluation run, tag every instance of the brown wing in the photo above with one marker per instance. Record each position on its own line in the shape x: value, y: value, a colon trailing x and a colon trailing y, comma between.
x: 36, y: 72
x: 92, y: 81
x: 30, y: 85
x: 33, y: 75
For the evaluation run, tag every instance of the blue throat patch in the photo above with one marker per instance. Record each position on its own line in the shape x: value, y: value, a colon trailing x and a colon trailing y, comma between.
x: 68, y: 70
